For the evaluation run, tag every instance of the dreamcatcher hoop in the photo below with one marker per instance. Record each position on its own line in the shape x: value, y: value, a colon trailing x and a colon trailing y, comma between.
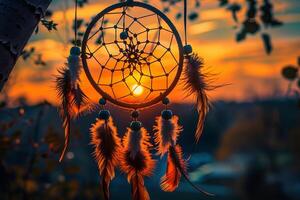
x: 86, y: 55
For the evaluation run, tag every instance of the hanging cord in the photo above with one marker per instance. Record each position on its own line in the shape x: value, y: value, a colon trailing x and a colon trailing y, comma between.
x: 76, y: 22
x: 124, y: 19
x: 185, y: 21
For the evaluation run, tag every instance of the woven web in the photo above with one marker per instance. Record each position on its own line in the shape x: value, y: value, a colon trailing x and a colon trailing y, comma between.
x: 139, y: 68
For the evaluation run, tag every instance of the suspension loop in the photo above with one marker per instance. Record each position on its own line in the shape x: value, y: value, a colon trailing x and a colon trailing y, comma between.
x: 76, y: 22
x: 185, y: 22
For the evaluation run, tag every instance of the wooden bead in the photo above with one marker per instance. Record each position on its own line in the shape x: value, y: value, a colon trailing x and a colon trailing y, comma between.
x: 167, y: 114
x: 187, y: 49
x: 104, y: 114
x: 135, y: 125
x: 75, y: 51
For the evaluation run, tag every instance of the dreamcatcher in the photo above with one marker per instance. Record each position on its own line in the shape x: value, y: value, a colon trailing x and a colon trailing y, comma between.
x: 133, y: 56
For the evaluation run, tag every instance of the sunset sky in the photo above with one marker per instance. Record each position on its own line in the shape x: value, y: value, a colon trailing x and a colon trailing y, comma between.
x: 245, y: 66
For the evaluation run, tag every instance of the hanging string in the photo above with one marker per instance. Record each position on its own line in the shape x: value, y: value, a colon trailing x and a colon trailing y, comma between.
x: 185, y: 21
x: 124, y: 16
x: 76, y: 22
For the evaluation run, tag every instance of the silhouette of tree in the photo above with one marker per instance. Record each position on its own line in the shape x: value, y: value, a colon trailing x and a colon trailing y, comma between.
x: 19, y: 19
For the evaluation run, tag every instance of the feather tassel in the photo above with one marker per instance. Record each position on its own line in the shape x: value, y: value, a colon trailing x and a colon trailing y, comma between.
x: 64, y: 90
x: 167, y: 132
x: 136, y: 161
x: 107, y: 147
x: 170, y: 181
x: 73, y: 100
x: 196, y: 84
x: 177, y: 160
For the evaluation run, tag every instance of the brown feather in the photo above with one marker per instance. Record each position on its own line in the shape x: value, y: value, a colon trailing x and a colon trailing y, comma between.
x: 181, y: 165
x: 170, y: 181
x: 196, y: 83
x: 138, y: 189
x: 64, y: 88
x: 80, y: 100
x: 105, y: 186
x: 107, y: 146
x: 166, y: 133
x: 73, y: 102
x: 136, y: 162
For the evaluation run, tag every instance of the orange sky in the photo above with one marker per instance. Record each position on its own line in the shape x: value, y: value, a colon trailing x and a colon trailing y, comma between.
x: 245, y: 66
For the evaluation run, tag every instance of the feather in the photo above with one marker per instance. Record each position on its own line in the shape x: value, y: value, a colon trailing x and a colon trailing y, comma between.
x: 196, y: 84
x: 166, y: 135
x: 177, y: 160
x: 138, y: 189
x: 136, y: 162
x: 73, y: 102
x: 79, y: 98
x: 167, y: 132
x: 64, y: 88
x: 107, y: 146
x: 80, y: 101
x: 170, y: 181
x: 134, y: 143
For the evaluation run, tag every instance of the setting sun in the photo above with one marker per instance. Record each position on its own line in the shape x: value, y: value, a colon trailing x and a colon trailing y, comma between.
x: 137, y: 90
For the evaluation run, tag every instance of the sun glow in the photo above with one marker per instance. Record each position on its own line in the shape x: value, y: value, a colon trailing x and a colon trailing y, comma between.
x: 137, y: 90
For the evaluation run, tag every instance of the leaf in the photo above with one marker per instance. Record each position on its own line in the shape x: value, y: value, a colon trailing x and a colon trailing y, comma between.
x: 178, y: 16
x: 276, y: 23
x: 193, y: 16
x: 241, y: 36
x: 27, y: 53
x: 223, y: 2
x: 267, y: 42
x: 81, y: 3
x: 166, y: 10
x: 39, y: 61
x: 267, y: 15
x: 234, y: 8
x: 77, y: 24
x: 290, y: 72
x: 251, y: 26
x: 49, y: 24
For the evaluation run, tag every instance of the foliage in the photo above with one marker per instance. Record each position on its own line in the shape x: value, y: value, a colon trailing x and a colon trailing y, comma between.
x: 259, y: 18
x: 291, y: 74
x: 251, y: 24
